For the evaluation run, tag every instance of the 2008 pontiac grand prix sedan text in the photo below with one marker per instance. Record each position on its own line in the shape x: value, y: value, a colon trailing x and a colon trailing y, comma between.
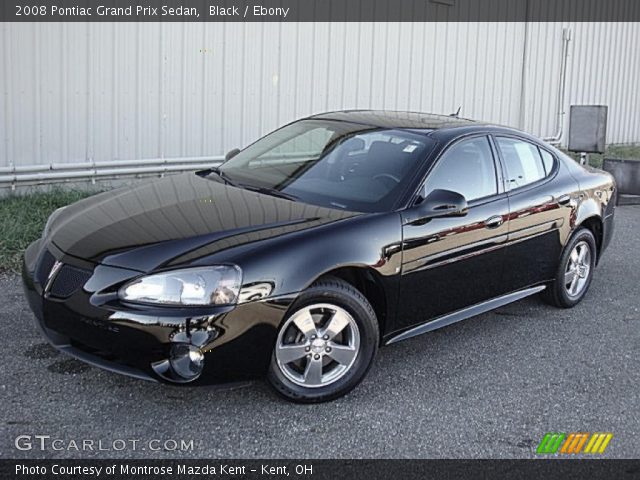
x: 303, y: 253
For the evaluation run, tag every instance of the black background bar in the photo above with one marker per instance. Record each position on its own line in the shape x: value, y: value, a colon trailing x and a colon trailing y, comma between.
x: 565, y: 469
x: 325, y: 10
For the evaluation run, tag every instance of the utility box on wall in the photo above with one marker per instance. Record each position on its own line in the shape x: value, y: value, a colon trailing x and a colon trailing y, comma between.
x: 588, y: 128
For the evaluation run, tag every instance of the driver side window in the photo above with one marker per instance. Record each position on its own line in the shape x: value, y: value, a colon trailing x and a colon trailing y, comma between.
x: 467, y: 168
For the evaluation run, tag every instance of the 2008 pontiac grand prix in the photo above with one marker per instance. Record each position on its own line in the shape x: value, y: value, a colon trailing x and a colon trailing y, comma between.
x: 310, y: 248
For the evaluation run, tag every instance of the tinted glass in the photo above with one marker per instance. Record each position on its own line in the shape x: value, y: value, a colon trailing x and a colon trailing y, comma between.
x: 467, y: 168
x: 547, y: 160
x: 522, y: 160
x: 333, y: 163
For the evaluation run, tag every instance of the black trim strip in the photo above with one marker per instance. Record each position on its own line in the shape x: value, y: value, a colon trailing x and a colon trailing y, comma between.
x: 465, y: 313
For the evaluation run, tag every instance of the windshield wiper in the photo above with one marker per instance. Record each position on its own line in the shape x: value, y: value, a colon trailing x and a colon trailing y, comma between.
x: 265, y: 190
x: 269, y: 191
x: 222, y: 175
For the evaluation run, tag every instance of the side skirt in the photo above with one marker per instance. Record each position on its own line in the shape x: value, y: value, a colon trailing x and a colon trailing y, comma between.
x: 465, y: 313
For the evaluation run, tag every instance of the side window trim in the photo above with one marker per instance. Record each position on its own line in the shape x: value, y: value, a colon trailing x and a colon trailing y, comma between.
x: 497, y: 167
x: 500, y: 171
x: 555, y: 165
x: 545, y: 179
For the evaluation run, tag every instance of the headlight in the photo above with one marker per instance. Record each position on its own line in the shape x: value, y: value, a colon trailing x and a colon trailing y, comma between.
x: 50, y: 220
x: 217, y: 285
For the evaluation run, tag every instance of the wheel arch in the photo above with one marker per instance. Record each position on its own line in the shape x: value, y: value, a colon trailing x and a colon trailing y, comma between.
x: 370, y: 284
x: 590, y: 215
x: 594, y: 224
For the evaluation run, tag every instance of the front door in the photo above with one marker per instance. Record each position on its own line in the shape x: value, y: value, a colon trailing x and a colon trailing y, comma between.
x: 453, y: 262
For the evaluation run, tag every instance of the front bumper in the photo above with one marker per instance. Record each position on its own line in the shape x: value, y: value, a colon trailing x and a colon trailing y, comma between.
x: 86, y: 320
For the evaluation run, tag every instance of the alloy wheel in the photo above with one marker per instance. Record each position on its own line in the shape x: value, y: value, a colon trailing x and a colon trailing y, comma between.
x: 578, y: 269
x: 317, y: 345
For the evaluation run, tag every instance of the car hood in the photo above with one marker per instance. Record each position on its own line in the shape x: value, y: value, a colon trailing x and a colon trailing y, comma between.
x: 154, y: 223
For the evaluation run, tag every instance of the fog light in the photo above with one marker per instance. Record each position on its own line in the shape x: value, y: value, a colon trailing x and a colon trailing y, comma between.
x: 186, y: 361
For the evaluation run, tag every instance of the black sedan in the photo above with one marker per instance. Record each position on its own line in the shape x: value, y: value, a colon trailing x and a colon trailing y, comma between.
x: 306, y: 251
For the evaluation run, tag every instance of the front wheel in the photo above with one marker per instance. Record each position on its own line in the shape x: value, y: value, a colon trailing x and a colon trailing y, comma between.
x: 575, y: 271
x: 325, y: 345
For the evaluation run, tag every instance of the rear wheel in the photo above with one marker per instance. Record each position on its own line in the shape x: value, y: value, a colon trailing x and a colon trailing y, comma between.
x: 325, y: 345
x: 575, y: 271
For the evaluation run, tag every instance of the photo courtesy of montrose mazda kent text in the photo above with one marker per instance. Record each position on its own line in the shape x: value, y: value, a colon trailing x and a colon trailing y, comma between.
x: 303, y: 253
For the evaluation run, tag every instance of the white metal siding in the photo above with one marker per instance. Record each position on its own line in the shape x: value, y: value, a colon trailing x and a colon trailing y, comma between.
x: 108, y: 91
x: 603, y: 69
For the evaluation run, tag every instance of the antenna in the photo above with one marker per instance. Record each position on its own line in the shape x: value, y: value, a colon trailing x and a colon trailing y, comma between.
x: 457, y: 114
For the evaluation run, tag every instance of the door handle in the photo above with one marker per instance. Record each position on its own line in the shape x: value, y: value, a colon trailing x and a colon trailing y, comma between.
x: 563, y: 199
x: 493, y: 222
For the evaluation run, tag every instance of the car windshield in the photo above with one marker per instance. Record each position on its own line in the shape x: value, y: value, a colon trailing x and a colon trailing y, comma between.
x: 331, y: 163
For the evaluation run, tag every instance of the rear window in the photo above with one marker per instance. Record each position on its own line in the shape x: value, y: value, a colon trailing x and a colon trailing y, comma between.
x: 524, y: 162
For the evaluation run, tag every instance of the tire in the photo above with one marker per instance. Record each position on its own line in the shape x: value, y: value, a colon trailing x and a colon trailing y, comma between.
x: 303, y: 365
x: 561, y: 293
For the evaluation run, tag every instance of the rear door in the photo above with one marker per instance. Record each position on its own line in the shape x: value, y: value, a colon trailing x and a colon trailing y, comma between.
x: 450, y: 263
x: 541, y: 201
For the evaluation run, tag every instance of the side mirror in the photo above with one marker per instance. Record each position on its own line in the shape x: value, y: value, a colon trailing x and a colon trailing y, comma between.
x: 439, y: 203
x: 231, y: 153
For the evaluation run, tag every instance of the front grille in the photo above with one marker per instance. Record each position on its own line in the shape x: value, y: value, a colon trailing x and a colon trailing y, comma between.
x: 44, y: 267
x: 68, y: 281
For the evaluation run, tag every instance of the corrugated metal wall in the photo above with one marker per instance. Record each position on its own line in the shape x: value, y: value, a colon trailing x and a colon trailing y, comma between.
x: 108, y: 91
x: 603, y: 69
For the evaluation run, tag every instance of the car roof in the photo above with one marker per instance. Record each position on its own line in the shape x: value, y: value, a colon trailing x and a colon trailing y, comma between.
x: 396, y: 119
x: 441, y: 127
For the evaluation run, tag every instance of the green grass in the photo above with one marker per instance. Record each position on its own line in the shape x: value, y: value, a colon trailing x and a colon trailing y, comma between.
x: 612, y: 151
x: 23, y: 218
x: 623, y: 151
